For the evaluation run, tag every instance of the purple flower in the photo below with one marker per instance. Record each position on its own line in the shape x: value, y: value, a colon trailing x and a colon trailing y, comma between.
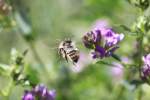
x: 99, y: 52
x: 28, y: 95
x: 48, y: 95
x: 89, y: 39
x: 146, y: 60
x: 52, y: 94
x: 111, y: 50
x: 126, y: 60
x: 145, y: 71
x: 117, y: 72
x: 100, y: 23
x: 39, y: 89
x: 103, y: 41
x: 92, y: 38
x: 111, y: 38
x: 40, y: 92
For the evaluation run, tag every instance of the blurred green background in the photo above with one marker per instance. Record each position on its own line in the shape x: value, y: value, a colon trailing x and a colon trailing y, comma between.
x: 39, y: 26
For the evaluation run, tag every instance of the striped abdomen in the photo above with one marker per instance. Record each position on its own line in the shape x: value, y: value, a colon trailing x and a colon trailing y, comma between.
x: 73, y: 55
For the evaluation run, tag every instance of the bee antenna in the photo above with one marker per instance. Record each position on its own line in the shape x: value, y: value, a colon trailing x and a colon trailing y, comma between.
x: 67, y: 39
x: 58, y: 40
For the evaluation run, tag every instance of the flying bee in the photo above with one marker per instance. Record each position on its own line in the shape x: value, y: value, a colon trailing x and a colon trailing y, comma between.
x: 4, y: 7
x: 68, y: 51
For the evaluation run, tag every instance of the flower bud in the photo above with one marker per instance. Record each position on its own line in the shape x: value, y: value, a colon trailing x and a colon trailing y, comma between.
x: 143, y: 24
x: 143, y: 4
x: 88, y: 40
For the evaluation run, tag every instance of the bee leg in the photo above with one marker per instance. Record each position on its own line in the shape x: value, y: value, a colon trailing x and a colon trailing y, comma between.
x: 74, y: 64
x: 69, y: 39
x: 59, y: 52
x: 66, y: 56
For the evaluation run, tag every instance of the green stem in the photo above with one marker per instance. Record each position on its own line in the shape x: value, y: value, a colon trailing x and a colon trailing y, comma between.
x: 37, y: 57
x: 35, y: 54
x: 140, y: 39
x: 140, y: 51
x: 120, y: 93
x: 30, y: 43
x: 6, y: 92
x: 140, y: 94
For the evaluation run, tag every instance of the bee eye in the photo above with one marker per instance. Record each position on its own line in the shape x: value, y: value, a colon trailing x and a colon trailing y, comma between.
x: 69, y: 41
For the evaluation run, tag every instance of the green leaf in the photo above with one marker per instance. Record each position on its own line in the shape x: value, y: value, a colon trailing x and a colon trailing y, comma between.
x: 32, y: 75
x: 116, y: 57
x: 125, y: 28
x: 136, y: 82
x: 4, y: 69
x: 104, y: 63
x: 6, y: 85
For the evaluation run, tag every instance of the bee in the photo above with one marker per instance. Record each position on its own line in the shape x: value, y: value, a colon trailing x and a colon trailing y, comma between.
x: 68, y: 51
x: 4, y: 7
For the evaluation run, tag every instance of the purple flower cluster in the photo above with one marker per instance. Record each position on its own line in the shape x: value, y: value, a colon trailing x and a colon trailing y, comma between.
x: 28, y: 95
x: 103, y: 41
x: 40, y: 92
x: 146, y: 67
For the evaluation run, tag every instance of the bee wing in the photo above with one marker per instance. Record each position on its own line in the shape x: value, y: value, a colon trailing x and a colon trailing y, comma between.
x: 74, y: 63
x: 78, y: 52
x: 63, y: 53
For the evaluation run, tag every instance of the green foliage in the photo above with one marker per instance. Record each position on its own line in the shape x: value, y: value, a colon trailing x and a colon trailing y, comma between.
x: 4, y: 69
x: 32, y: 24
x: 32, y: 75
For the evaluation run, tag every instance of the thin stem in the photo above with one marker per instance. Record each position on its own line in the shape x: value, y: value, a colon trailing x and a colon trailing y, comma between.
x: 120, y: 93
x: 140, y: 63
x: 32, y: 47
x: 140, y: 94
x: 37, y: 57
x: 35, y: 54
x: 6, y: 93
x: 122, y: 88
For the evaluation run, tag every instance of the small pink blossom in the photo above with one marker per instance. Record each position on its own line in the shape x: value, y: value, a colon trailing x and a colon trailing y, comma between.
x: 117, y: 71
x: 84, y: 60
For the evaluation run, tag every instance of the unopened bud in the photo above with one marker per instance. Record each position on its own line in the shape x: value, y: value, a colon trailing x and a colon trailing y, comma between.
x: 143, y: 4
